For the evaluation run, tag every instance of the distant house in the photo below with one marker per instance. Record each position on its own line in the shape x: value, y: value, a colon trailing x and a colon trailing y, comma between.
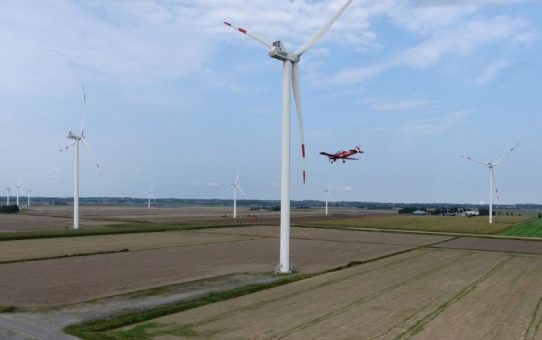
x: 471, y: 213
x: 419, y: 212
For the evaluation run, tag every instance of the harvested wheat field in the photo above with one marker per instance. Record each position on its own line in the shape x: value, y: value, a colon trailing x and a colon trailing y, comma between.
x: 426, y: 293
x: 74, y: 279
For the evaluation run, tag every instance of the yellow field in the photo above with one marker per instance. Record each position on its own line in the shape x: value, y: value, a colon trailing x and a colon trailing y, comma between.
x: 451, y: 224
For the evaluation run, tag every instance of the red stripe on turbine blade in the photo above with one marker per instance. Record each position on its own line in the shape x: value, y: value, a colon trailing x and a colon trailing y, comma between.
x: 303, y: 150
x: 227, y: 23
x: 242, y: 30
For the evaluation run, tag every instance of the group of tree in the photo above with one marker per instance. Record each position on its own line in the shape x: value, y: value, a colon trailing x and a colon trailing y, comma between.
x: 9, y: 209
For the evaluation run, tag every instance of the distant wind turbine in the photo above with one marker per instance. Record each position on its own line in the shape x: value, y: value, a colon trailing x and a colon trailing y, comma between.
x: 290, y: 82
x: 79, y: 138
x: 327, y: 193
x: 149, y: 196
x: 19, y: 189
x: 492, y: 181
x: 235, y: 186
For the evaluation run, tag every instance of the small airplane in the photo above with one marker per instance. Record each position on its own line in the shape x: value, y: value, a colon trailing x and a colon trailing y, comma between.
x: 344, y: 155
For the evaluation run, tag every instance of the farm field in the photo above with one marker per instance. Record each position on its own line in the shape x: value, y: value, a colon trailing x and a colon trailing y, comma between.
x: 62, y: 281
x: 60, y: 217
x: 449, y: 224
x: 20, y: 250
x: 423, y: 294
x: 25, y: 222
x: 531, y: 228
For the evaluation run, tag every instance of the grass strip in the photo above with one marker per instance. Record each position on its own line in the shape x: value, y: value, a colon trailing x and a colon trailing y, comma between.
x: 112, y: 230
x: 8, y: 309
x: 530, y: 228
x: 95, y: 329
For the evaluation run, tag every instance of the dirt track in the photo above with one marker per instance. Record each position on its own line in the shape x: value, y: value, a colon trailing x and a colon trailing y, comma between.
x: 75, y: 279
x: 426, y: 294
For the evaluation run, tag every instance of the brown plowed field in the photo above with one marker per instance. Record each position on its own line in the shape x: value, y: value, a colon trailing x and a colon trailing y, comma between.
x: 426, y: 294
x: 67, y: 246
x: 76, y: 279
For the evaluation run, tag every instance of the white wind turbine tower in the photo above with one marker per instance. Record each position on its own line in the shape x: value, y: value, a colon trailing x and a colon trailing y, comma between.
x: 235, y: 186
x: 492, y: 182
x: 19, y: 189
x: 290, y: 81
x: 149, y: 195
x: 8, y: 189
x: 79, y: 138
x: 328, y: 195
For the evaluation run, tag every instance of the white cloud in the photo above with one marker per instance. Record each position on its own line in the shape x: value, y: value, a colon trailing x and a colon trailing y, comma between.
x: 491, y: 71
x: 379, y: 104
x: 461, y: 40
x: 413, y: 131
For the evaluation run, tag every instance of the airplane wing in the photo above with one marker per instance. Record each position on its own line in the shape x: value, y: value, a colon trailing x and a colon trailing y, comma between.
x: 327, y: 154
x: 352, y: 159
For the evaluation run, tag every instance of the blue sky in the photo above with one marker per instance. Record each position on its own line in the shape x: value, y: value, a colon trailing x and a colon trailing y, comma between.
x: 176, y: 98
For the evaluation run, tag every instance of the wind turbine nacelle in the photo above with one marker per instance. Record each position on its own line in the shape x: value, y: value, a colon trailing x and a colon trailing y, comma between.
x: 71, y: 135
x: 278, y: 51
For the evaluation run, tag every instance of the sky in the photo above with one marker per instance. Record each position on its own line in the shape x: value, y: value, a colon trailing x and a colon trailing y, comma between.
x: 179, y: 101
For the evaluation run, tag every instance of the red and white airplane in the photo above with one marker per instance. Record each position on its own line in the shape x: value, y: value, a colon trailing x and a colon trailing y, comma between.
x: 344, y: 155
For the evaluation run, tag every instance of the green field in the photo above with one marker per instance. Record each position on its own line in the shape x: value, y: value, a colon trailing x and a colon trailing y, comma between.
x: 449, y: 224
x: 532, y: 228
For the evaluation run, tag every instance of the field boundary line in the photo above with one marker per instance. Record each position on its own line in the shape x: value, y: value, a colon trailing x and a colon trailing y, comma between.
x: 421, y: 232
x: 511, y: 253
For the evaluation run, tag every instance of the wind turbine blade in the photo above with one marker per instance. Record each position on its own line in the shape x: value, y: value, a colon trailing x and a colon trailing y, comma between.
x: 474, y: 160
x: 152, y: 187
x: 315, y: 38
x: 237, y: 178
x: 296, y: 88
x: 264, y: 41
x: 330, y: 195
x: 241, y: 191
x: 84, y: 108
x: 506, y: 154
x: 67, y: 147
x: 92, y: 154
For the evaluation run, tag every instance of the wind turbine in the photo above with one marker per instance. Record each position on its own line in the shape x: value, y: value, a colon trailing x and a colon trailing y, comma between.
x: 149, y: 195
x: 235, y: 186
x: 19, y: 189
x: 79, y: 138
x: 290, y: 82
x: 492, y: 181
x: 327, y: 193
x: 7, y: 196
